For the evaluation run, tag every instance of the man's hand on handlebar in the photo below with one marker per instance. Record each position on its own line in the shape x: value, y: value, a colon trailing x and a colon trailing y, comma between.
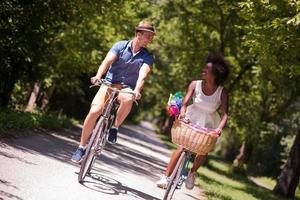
x: 137, y: 95
x: 95, y: 80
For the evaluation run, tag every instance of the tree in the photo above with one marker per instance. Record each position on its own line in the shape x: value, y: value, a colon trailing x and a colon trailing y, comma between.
x: 57, y: 42
x: 27, y: 30
x: 288, y: 179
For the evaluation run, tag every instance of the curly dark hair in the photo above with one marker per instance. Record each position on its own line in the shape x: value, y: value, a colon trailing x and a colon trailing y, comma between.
x: 220, y: 68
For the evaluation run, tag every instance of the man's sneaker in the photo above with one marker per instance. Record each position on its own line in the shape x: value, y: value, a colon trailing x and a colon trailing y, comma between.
x: 77, y: 156
x: 112, y: 135
x: 190, y: 180
x: 163, y: 182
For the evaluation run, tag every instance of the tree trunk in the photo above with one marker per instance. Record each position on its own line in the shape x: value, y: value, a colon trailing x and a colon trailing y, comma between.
x: 239, y: 158
x: 47, y: 97
x: 243, y: 156
x: 7, y: 81
x: 6, y: 89
x: 168, y: 122
x: 34, y: 94
x: 288, y: 179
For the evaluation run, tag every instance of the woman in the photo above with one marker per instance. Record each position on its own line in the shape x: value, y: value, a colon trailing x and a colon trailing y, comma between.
x: 208, y: 95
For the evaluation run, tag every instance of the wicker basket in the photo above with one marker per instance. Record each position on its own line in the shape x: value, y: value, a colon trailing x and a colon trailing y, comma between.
x: 192, y: 139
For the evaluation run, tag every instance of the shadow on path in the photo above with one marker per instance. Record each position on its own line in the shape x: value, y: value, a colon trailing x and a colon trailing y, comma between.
x: 60, y: 146
x: 8, y: 195
x: 132, y: 161
x: 104, y: 184
x: 53, y: 145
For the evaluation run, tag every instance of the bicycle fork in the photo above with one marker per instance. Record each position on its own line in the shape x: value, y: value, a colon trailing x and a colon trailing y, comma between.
x: 184, y: 172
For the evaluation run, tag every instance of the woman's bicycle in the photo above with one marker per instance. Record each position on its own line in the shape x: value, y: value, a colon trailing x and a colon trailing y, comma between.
x: 97, y: 139
x: 193, y: 141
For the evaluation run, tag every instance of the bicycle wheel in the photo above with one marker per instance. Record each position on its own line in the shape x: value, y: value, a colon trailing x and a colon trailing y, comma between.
x: 90, y: 152
x: 175, y: 176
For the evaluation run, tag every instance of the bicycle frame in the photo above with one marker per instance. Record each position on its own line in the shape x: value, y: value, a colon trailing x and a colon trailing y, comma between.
x: 105, y: 117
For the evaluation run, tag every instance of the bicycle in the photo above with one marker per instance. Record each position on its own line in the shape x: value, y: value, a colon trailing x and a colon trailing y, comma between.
x: 97, y: 139
x: 193, y: 141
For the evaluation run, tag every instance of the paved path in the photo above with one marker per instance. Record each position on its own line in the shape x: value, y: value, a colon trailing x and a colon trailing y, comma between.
x: 39, y: 168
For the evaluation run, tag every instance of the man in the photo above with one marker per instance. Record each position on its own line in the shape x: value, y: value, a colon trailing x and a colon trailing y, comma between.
x: 127, y: 62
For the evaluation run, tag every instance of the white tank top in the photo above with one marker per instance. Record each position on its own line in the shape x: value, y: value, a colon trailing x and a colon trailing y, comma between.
x: 203, y: 111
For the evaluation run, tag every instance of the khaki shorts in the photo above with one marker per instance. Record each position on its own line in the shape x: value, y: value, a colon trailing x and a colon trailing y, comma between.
x: 103, y: 93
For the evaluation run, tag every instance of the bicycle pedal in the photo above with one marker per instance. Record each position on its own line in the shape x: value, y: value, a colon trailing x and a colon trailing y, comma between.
x: 98, y: 152
x: 178, y: 187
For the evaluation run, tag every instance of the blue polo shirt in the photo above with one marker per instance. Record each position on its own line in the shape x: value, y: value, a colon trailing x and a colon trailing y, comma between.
x: 125, y: 69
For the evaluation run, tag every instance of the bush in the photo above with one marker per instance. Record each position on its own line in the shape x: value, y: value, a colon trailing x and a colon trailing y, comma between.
x: 18, y: 121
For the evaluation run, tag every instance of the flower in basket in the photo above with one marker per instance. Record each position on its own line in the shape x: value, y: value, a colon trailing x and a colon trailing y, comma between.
x: 175, y: 103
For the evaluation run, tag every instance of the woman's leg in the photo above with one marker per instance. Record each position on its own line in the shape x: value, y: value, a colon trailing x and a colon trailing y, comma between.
x: 163, y: 182
x: 190, y: 180
x: 198, y: 161
x: 172, y: 163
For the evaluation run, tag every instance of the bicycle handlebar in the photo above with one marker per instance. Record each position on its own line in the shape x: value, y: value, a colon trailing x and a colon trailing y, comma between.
x: 99, y: 82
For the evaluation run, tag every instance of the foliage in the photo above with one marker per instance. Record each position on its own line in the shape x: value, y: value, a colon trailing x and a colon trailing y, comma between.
x: 263, y: 85
x: 12, y: 121
x: 273, y: 89
x: 27, y: 32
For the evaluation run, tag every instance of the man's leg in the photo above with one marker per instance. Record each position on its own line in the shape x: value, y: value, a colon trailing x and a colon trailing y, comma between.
x: 124, y: 109
x: 89, y: 122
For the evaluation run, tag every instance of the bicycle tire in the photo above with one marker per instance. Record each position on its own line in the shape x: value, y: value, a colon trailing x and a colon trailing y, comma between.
x: 174, y: 178
x: 90, y: 151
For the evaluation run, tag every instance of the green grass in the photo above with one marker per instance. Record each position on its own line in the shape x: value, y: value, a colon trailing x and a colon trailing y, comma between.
x: 219, y: 183
x: 271, y: 183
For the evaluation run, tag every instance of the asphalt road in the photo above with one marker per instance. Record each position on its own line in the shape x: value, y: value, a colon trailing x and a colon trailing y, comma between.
x: 39, y: 168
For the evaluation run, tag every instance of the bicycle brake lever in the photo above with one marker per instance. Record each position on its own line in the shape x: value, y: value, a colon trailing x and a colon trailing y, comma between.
x: 97, y: 83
